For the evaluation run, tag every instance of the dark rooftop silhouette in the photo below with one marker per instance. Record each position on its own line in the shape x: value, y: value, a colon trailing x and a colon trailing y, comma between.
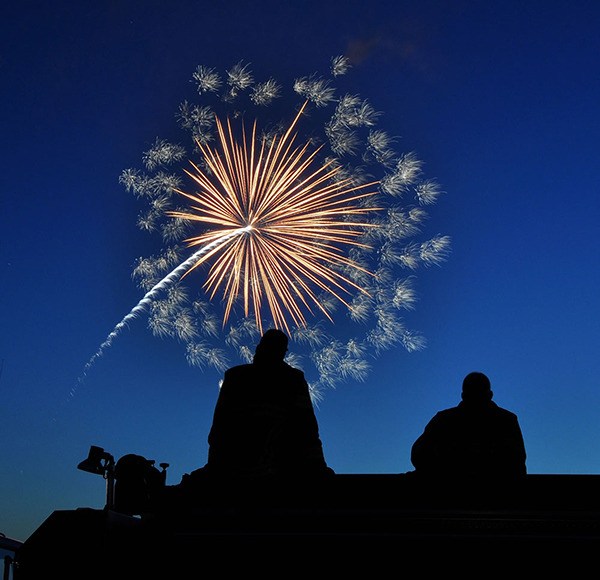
x: 346, y: 522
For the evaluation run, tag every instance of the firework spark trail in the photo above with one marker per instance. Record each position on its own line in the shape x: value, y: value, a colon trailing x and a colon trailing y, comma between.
x: 169, y: 279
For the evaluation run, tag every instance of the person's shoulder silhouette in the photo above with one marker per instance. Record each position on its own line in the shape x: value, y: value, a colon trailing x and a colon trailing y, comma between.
x: 264, y: 421
x: 477, y: 439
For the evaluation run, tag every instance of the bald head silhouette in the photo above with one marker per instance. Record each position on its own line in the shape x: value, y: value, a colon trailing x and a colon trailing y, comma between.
x: 272, y: 346
x: 476, y: 388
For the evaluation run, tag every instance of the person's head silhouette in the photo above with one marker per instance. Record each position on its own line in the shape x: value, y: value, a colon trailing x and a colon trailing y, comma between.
x: 272, y: 346
x: 476, y: 388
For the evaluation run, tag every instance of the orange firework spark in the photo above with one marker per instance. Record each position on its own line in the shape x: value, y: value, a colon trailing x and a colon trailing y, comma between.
x: 291, y: 217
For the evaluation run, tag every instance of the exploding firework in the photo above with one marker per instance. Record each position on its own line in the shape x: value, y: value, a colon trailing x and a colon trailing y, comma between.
x: 292, y: 215
x: 322, y: 229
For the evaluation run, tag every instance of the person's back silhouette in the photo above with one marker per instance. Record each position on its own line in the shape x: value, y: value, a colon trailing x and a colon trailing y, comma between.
x: 264, y: 422
x: 475, y: 440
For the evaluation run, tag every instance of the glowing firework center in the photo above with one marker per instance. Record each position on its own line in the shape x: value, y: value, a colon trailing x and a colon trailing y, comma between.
x: 294, y: 214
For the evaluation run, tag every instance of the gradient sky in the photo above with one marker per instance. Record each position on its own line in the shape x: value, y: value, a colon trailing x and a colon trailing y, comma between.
x: 499, y: 99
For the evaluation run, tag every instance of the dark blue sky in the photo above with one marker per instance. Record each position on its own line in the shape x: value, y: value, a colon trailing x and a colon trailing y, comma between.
x: 499, y: 101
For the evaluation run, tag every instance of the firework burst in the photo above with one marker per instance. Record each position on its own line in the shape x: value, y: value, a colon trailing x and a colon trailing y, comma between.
x: 318, y: 235
x: 296, y: 217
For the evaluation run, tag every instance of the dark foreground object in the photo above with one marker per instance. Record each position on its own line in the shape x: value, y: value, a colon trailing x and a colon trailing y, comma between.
x: 342, y: 524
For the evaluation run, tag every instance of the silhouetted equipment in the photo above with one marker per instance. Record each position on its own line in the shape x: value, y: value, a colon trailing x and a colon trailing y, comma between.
x: 100, y: 462
x: 339, y: 524
x: 137, y: 481
x: 129, y: 482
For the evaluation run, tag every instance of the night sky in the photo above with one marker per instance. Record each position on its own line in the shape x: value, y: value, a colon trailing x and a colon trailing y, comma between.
x: 498, y: 100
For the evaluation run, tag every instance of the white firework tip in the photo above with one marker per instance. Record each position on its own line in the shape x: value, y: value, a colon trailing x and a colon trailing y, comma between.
x: 160, y: 204
x: 355, y: 175
x: 172, y: 255
x: 208, y: 323
x: 379, y: 148
x: 358, y: 273
x: 327, y: 300
x: 194, y: 117
x: 389, y: 323
x: 311, y: 335
x: 233, y: 337
x: 384, y: 276
x: 207, y: 79
x: 340, y: 65
x: 174, y: 230
x: 144, y: 268
x: 379, y: 140
x: 264, y: 93
x: 130, y: 179
x: 246, y: 353
x: 409, y: 256
x: 382, y: 339
x: 328, y: 357
x: 355, y: 348
x: 160, y: 326
x: 202, y: 307
x: 242, y: 331
x: 405, y: 174
x: 196, y: 353
x: 388, y: 253
x: 316, y: 393
x: 217, y: 358
x: 360, y: 308
x: 385, y: 158
x: 185, y: 325
x: 392, y: 184
x: 211, y: 325
x: 315, y: 89
x: 202, y: 355
x: 428, y: 191
x: 268, y: 135
x: 409, y: 167
x: 148, y: 220
x: 177, y: 295
x: 143, y: 185
x: 401, y: 224
x: 166, y: 320
x: 404, y: 295
x: 354, y: 368
x: 435, y: 251
x: 148, y: 270
x: 417, y: 215
x: 162, y: 153
x: 166, y: 182
x: 294, y: 359
x: 353, y: 111
x: 413, y: 341
x: 248, y: 326
x: 140, y: 184
x: 166, y: 260
x: 163, y: 309
x: 239, y: 78
x: 202, y: 136
x: 342, y: 140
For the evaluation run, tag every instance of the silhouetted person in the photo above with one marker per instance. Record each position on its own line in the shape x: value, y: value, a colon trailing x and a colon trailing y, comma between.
x: 476, y: 440
x: 264, y: 422
x: 264, y: 427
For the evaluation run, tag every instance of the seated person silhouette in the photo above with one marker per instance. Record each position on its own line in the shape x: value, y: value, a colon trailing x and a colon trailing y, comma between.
x: 473, y: 442
x: 264, y: 425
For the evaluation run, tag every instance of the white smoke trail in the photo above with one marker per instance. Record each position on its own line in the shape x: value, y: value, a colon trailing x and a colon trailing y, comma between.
x: 169, y: 279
